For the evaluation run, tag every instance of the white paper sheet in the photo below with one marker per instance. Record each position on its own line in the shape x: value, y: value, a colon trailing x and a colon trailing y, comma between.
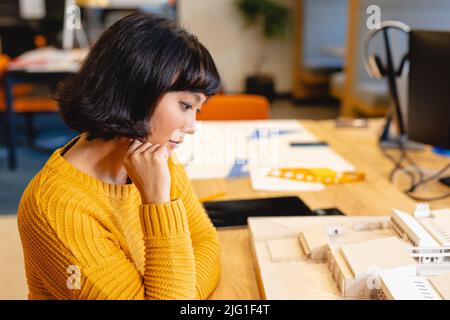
x: 298, y: 157
x: 221, y: 149
x: 218, y: 146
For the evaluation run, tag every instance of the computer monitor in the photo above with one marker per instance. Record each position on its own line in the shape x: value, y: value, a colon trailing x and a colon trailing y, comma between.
x: 429, y: 88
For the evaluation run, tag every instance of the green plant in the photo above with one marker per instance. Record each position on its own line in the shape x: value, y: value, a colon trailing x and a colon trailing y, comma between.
x: 274, y: 19
x: 273, y: 16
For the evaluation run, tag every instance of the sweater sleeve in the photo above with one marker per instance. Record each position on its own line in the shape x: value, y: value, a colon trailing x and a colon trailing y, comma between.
x: 87, y: 251
x: 66, y: 237
x: 205, y: 240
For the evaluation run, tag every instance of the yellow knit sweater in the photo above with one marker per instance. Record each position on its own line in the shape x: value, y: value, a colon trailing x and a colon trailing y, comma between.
x: 70, y: 222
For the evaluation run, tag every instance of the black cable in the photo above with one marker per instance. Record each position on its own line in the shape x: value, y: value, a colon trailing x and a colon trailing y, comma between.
x: 413, y: 184
x: 397, y: 163
x: 414, y: 165
x: 397, y: 166
x: 429, y: 199
x: 430, y: 178
x: 434, y: 176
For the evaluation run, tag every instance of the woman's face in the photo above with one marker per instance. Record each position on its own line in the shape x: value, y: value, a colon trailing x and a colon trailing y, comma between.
x: 173, y: 117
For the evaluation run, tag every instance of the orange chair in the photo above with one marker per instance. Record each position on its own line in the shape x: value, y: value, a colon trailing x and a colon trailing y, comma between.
x: 24, y: 101
x: 22, y: 89
x: 235, y: 107
x: 18, y: 90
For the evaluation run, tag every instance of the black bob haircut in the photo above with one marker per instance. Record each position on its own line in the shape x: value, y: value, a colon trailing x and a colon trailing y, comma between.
x: 131, y: 66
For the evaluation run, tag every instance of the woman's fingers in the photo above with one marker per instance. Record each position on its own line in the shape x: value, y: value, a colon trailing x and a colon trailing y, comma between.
x: 133, y: 146
x: 142, y: 147
x: 138, y: 147
x: 150, y: 148
x: 147, y: 167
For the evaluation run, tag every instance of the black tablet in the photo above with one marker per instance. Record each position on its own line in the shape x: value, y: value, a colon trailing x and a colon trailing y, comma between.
x: 235, y: 212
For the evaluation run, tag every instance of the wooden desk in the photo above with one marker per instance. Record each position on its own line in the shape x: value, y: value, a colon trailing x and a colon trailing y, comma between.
x: 12, y: 276
x: 375, y: 196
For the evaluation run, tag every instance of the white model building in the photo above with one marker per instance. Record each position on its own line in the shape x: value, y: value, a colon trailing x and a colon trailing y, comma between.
x: 356, y: 267
x: 408, y: 227
x: 403, y: 256
x: 396, y: 286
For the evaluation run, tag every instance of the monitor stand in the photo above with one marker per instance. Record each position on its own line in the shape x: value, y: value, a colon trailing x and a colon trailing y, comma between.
x: 394, y: 142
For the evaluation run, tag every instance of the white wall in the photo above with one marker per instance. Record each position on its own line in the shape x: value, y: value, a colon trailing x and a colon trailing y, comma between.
x: 235, y: 49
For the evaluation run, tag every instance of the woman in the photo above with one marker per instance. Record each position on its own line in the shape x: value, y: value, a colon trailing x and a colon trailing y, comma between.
x: 112, y: 215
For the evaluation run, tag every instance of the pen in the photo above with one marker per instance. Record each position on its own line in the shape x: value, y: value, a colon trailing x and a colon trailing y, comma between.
x: 212, y: 197
x: 309, y: 144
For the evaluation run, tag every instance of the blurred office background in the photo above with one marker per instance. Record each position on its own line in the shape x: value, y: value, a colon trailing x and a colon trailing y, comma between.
x: 305, y: 59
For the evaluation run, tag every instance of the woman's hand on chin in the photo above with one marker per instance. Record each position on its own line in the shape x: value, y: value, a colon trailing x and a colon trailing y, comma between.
x: 147, y: 167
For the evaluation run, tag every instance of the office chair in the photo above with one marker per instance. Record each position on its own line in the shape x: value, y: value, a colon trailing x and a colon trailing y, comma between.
x: 235, y: 107
x: 26, y: 102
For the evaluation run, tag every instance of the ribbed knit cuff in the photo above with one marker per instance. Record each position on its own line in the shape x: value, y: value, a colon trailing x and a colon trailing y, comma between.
x: 163, y: 219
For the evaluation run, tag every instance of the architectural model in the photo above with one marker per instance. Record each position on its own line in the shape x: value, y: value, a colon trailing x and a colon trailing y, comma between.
x: 402, y: 256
